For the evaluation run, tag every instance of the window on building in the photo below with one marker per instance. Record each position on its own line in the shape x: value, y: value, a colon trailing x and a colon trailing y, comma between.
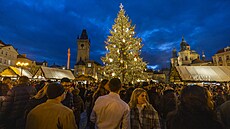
x: 220, y: 59
x: 89, y: 65
x: 6, y: 53
x: 0, y: 60
x: 2, y: 52
x: 5, y: 61
x: 227, y: 57
x: 186, y: 58
x: 9, y: 62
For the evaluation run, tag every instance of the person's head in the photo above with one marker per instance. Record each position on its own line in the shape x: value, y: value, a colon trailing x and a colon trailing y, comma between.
x: 55, y: 90
x: 6, y: 80
x: 76, y: 91
x: 196, y: 98
x: 104, y: 84
x: 139, y: 96
x: 115, y: 85
x: 23, y: 80
x: 42, y: 92
x: 66, y: 82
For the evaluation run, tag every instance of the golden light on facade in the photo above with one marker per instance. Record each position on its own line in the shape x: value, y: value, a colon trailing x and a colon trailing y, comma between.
x: 22, y: 64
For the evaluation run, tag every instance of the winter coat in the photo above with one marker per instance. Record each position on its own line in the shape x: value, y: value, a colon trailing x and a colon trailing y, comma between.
x: 13, y: 107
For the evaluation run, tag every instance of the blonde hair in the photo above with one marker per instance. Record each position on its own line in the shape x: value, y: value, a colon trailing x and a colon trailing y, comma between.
x: 41, y: 93
x: 135, y: 95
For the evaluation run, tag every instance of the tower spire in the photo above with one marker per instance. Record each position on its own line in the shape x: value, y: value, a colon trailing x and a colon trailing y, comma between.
x: 182, y: 38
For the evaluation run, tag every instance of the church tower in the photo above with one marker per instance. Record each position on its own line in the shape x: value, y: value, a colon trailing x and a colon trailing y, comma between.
x: 83, y: 46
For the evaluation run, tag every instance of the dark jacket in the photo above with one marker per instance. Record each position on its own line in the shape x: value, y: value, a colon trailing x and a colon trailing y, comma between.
x: 224, y: 112
x: 13, y: 107
x: 192, y: 120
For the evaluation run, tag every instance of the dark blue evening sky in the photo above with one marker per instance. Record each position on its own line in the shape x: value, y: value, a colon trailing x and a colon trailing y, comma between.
x: 45, y: 29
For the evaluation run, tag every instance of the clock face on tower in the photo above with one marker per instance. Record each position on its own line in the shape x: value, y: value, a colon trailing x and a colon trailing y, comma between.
x: 82, y: 46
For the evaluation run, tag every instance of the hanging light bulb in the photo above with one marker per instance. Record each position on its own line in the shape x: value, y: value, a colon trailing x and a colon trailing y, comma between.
x: 106, y: 48
x: 114, y: 46
x: 135, y: 59
x: 121, y: 61
x: 123, y: 40
x: 118, y: 51
x: 115, y: 30
x: 127, y: 29
x: 110, y: 60
x: 113, y: 74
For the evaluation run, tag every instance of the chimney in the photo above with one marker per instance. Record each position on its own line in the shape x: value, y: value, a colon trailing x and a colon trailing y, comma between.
x: 68, y: 60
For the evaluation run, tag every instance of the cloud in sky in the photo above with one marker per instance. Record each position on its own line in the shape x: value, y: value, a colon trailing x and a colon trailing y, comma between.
x: 45, y: 29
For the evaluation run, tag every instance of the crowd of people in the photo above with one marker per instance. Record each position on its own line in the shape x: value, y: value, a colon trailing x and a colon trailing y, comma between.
x: 109, y: 104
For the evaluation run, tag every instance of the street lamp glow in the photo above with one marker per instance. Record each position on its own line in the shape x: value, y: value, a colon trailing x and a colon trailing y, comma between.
x: 22, y: 64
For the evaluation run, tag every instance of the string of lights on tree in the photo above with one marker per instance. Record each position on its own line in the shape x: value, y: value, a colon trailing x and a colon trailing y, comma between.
x: 123, y: 59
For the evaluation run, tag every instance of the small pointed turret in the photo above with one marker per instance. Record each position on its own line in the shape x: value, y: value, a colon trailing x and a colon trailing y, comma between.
x: 174, y: 53
x: 203, y: 56
x: 84, y: 34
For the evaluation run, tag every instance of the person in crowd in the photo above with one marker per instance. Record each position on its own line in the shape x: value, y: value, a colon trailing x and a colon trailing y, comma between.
x: 39, y: 98
x: 154, y: 98
x: 101, y: 90
x: 52, y: 114
x: 83, y: 91
x: 195, y: 111
x: 79, y: 105
x: 224, y: 114
x: 68, y: 101
x: 40, y: 85
x: 142, y: 114
x: 168, y: 103
x: 5, y: 86
x: 13, y: 107
x: 219, y: 97
x: 129, y: 92
x: 110, y: 111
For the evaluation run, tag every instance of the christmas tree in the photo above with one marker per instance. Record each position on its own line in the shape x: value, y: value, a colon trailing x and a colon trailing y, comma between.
x: 122, y: 59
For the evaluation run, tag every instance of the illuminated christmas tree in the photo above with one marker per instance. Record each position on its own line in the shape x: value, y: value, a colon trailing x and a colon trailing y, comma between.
x: 122, y: 59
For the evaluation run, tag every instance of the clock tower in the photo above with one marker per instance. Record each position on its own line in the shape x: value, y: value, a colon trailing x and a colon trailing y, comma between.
x: 83, y: 46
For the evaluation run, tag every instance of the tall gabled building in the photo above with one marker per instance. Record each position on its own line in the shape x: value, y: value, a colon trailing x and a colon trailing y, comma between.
x: 85, y: 66
x: 8, y: 55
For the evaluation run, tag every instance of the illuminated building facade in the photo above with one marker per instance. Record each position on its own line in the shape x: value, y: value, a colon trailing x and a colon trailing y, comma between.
x: 222, y: 57
x: 85, y: 66
x: 8, y: 55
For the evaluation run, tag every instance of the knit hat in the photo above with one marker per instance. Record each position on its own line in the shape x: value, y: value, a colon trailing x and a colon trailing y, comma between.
x: 54, y: 90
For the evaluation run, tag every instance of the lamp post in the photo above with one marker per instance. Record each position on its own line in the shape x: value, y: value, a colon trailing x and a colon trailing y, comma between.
x: 22, y: 64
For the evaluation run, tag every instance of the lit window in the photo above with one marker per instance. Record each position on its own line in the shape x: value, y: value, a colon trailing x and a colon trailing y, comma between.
x: 89, y: 65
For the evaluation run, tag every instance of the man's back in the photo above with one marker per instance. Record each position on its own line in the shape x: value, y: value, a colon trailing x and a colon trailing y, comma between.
x: 51, y: 115
x: 110, y: 112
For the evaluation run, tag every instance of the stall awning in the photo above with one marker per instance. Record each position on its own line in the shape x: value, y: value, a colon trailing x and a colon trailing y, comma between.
x: 15, y: 72
x: 204, y: 73
x: 53, y: 73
